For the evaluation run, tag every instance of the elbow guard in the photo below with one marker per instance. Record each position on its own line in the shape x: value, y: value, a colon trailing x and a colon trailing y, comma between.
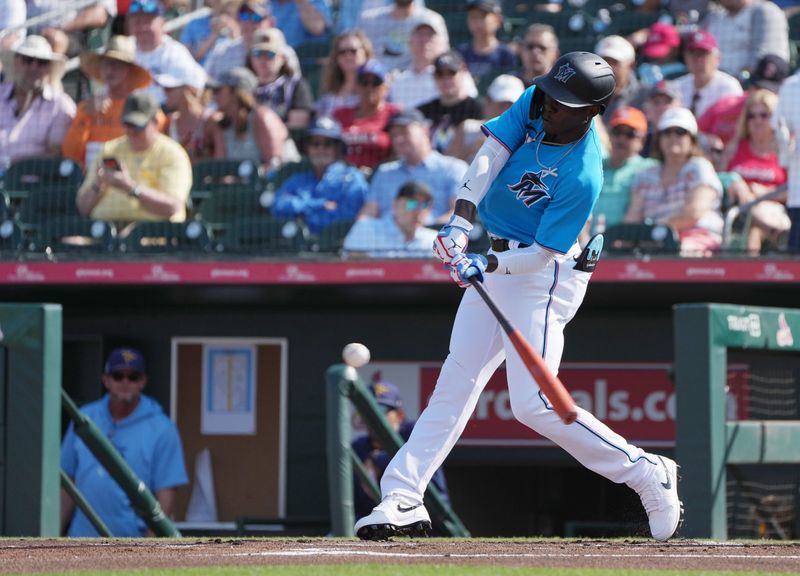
x: 484, y: 168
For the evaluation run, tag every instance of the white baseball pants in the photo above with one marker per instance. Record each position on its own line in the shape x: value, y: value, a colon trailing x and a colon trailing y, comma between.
x: 539, y: 305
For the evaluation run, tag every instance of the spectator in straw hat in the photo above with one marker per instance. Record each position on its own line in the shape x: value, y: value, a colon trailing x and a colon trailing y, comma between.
x: 98, y: 118
x: 35, y: 113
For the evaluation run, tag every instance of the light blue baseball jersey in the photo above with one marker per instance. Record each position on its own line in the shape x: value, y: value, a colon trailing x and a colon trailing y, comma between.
x: 548, y: 200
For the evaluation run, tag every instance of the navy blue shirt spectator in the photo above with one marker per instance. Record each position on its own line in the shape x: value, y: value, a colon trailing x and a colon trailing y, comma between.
x: 484, y: 53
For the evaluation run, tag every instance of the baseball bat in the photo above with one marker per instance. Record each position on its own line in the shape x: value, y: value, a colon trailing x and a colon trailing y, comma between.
x: 562, y: 402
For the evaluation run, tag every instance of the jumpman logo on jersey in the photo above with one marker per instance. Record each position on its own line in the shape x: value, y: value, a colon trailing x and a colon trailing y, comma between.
x: 530, y: 188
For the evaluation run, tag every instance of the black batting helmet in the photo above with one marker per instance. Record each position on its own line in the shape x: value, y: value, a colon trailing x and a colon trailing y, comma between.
x: 579, y: 79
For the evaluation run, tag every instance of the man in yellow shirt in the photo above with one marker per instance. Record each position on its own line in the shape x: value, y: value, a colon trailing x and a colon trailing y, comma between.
x: 143, y: 175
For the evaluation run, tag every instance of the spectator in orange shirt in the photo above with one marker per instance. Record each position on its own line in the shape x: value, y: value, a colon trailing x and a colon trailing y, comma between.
x: 98, y: 118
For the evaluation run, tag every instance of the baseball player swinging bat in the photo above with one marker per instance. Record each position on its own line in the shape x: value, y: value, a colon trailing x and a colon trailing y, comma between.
x: 552, y: 387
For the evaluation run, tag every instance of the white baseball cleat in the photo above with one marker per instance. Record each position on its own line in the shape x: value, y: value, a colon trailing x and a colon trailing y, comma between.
x: 394, y: 517
x: 660, y: 500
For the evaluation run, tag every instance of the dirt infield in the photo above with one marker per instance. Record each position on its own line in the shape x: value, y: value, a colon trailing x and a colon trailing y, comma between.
x: 43, y: 555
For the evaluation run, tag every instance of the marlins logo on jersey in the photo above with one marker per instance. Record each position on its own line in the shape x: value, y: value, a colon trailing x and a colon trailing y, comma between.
x: 530, y: 188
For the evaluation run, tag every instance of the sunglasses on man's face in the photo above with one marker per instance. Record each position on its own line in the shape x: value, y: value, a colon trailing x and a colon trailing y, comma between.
x: 369, y: 81
x: 675, y: 131
x: 31, y: 61
x: 129, y: 376
x: 531, y: 46
x: 133, y: 127
x: 322, y: 143
x: 624, y: 133
x: 144, y: 8
x: 261, y: 53
x: 417, y: 204
x: 251, y: 17
x: 445, y: 73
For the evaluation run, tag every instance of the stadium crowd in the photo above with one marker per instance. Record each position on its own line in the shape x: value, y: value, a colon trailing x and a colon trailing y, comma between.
x: 333, y: 113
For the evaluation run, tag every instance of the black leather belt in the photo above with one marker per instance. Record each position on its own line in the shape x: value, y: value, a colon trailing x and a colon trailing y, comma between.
x: 501, y: 244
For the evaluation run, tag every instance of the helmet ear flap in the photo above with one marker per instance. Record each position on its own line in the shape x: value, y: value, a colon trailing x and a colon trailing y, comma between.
x: 537, y: 103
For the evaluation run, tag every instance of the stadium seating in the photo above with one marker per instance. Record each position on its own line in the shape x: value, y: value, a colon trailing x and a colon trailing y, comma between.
x: 74, y: 234
x: 265, y: 236
x: 167, y: 237
x: 641, y: 238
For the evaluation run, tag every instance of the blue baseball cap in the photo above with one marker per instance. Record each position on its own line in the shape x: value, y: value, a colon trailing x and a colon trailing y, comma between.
x: 124, y: 359
x: 386, y: 394
x: 326, y: 127
x: 373, y: 67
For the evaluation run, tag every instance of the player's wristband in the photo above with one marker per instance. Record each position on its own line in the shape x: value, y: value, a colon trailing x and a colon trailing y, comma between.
x: 460, y: 222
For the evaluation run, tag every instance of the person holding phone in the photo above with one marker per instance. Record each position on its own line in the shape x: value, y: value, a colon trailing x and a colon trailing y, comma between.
x: 144, y: 175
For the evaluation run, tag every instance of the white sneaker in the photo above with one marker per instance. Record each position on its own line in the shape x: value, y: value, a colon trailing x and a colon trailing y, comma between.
x: 394, y: 517
x: 660, y: 500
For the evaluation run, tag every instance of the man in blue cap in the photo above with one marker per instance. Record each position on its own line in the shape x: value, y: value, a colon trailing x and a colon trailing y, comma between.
x: 145, y: 437
x: 369, y: 450
x: 331, y: 191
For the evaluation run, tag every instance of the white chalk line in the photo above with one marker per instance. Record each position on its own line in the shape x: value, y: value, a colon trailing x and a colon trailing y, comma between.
x: 372, y: 553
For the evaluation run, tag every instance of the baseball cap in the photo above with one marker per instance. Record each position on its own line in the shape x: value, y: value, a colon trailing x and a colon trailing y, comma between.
x: 701, y: 40
x: 181, y: 76
x: 678, y: 117
x: 452, y: 61
x: 430, y: 20
x: 374, y: 68
x: 665, y: 88
x: 386, y: 394
x: 124, y: 359
x: 629, y: 116
x: 406, y: 117
x: 661, y: 38
x: 139, y: 109
x: 270, y: 39
x: 326, y: 127
x: 616, y: 47
x: 256, y: 7
x: 238, y: 77
x: 491, y: 6
x: 770, y: 71
x: 505, y: 88
x: 146, y: 7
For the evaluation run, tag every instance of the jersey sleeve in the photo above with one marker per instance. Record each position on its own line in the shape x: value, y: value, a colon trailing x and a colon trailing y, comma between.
x: 510, y: 127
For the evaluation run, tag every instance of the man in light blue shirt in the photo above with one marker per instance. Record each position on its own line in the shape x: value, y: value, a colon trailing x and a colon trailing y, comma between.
x: 416, y: 161
x: 144, y: 436
x: 302, y: 20
x: 400, y: 233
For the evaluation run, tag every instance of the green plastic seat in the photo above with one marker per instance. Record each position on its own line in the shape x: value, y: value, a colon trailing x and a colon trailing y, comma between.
x: 29, y: 175
x: 641, y: 238
x: 265, y: 236
x: 75, y: 234
x: 167, y: 237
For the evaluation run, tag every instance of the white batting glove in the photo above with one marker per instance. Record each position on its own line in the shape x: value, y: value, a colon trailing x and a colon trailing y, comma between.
x: 465, y: 266
x: 452, y: 238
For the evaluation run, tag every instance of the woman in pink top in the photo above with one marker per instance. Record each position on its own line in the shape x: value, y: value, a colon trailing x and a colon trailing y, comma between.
x: 753, y: 153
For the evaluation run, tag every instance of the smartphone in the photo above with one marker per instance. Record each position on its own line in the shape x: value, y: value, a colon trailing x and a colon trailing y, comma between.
x: 111, y: 163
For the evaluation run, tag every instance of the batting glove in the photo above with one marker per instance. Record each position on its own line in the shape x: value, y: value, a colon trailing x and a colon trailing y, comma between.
x: 452, y: 239
x: 465, y: 266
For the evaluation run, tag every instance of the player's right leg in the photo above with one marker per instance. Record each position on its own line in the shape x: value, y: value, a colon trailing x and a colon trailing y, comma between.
x: 475, y: 353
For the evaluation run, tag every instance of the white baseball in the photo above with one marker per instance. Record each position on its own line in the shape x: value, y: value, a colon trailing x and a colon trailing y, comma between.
x: 355, y: 354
